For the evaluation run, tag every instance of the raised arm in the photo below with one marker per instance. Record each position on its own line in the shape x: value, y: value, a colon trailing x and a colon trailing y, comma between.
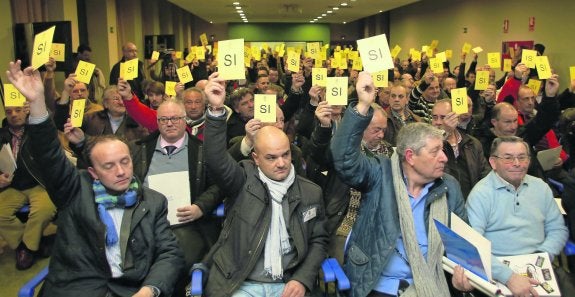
x: 141, y: 113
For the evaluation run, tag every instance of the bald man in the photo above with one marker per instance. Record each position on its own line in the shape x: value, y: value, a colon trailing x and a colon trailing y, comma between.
x: 129, y: 52
x: 273, y: 240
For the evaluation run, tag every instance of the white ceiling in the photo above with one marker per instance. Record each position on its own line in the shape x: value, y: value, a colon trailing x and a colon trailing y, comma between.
x: 288, y: 11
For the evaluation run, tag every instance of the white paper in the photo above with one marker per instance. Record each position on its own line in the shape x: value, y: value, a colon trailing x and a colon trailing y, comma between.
x: 377, y: 48
x: 176, y: 187
x: 482, y: 244
x: 477, y: 282
x: 547, y: 158
x: 561, y: 209
x: 7, y: 162
x: 519, y: 265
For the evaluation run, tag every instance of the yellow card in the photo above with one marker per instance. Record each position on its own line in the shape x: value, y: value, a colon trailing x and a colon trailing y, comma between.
x: 42, y: 47
x: 265, y: 47
x: 184, y: 74
x: 466, y: 48
x: 181, y: 63
x: 231, y: 59
x: 318, y: 77
x: 84, y: 71
x: 424, y: 48
x: 543, y: 68
x: 336, y: 90
x: 338, y: 48
x: 129, y: 69
x: 380, y: 79
x: 357, y: 65
x: 247, y: 56
x: 156, y: 55
x: 177, y: 55
x: 434, y: 44
x: 256, y: 53
x: 332, y: 63
x: 429, y: 52
x: 353, y: 55
x: 481, y: 80
x: 448, y: 54
x: 265, y: 108
x: 477, y: 49
x: 342, y: 64
x: 313, y: 49
x: 323, y: 55
x: 534, y: 85
x: 171, y: 88
x: 572, y: 72
x: 441, y: 57
x: 200, y: 53
x: 416, y: 55
x: 204, y: 39
x: 13, y: 97
x: 77, y: 113
x: 494, y: 60
x: 528, y: 57
x: 375, y: 54
x: 317, y: 63
x: 506, y: 65
x: 58, y: 52
x: 293, y: 61
x: 395, y: 51
x: 435, y: 65
x: 459, y: 100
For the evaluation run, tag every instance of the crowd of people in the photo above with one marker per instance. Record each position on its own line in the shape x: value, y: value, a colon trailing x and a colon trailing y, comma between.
x: 133, y: 188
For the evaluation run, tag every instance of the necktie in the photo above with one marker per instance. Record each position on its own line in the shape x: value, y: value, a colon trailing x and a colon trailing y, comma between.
x: 170, y: 149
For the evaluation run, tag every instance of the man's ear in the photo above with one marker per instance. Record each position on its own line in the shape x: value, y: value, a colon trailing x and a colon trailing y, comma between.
x: 492, y: 162
x: 493, y: 122
x: 92, y: 172
x: 255, y: 158
x: 409, y: 153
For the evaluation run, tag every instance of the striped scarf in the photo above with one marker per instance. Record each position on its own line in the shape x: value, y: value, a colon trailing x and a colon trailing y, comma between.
x: 105, y: 201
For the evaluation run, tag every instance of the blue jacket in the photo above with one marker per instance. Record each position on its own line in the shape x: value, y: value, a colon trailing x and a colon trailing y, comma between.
x: 376, y: 229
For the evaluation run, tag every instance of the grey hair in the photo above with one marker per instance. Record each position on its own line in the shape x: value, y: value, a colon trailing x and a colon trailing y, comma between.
x: 414, y: 136
x: 507, y: 139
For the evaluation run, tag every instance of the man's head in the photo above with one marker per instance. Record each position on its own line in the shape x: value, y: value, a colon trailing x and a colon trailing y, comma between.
x: 242, y: 101
x: 433, y: 91
x: 525, y: 100
x: 272, y: 153
x: 420, y: 149
x: 194, y: 102
x: 262, y: 83
x: 375, y: 131
x: 112, y: 101
x: 408, y: 82
x: 398, y: 98
x: 509, y: 157
x: 84, y: 52
x: 504, y: 119
x: 109, y: 161
x: 438, y: 113
x: 383, y: 97
x: 172, y: 120
x: 156, y: 94
x: 80, y: 91
x: 130, y: 51
x: 274, y: 75
x: 404, y: 65
x: 449, y: 83
x: 16, y: 116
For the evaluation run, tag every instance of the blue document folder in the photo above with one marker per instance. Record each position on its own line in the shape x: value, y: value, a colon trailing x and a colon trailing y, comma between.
x: 461, y: 251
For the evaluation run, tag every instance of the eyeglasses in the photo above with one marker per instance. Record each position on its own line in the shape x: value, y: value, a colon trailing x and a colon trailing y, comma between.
x: 511, y: 159
x: 174, y: 120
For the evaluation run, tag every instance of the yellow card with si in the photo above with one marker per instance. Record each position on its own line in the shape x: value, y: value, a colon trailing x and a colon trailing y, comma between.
x: 494, y: 60
x: 265, y: 108
x: 204, y: 39
x: 84, y: 71
x: 507, y: 65
x: 374, y: 53
x: 459, y: 100
x: 13, y: 97
x: 528, y: 57
x: 129, y: 69
x: 441, y: 57
x: 336, y: 90
x: 171, y: 88
x: 318, y: 77
x: 184, y: 74
x: 448, y: 54
x: 572, y: 72
x: 466, y: 48
x: 416, y: 55
x: 481, y: 80
x: 156, y: 56
x: 58, y: 52
x: 380, y: 79
x: 395, y: 51
x: 77, y: 113
x: 42, y: 47
x: 543, y: 67
x: 435, y: 65
x: 293, y: 61
x: 535, y: 85
x: 357, y: 65
x: 231, y: 59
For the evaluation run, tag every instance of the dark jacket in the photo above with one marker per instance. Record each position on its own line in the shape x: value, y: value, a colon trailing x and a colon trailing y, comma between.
x: 242, y: 240
x: 150, y: 254
x: 394, y: 124
x: 376, y: 229
x: 98, y: 123
x: 27, y: 174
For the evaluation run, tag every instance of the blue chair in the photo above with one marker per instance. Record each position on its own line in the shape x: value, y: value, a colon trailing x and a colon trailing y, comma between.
x: 569, y: 249
x: 28, y: 288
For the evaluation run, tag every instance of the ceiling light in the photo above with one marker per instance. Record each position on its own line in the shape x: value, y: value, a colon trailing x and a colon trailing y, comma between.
x: 238, y: 7
x: 323, y: 14
x: 211, y: 22
x: 311, y: 21
x: 344, y: 4
x: 336, y: 8
x: 329, y: 11
x: 245, y: 21
x: 319, y: 17
x: 236, y: 3
x: 381, y: 11
x: 241, y: 14
x: 240, y: 11
x: 344, y: 23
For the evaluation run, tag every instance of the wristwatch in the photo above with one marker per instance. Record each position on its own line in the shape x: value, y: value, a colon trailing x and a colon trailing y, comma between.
x: 216, y: 109
x: 155, y: 291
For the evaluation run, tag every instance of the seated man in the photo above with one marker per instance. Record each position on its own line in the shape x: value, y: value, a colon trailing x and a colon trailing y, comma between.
x: 22, y: 187
x: 113, y: 235
x: 515, y: 211
x: 392, y: 248
x: 273, y: 240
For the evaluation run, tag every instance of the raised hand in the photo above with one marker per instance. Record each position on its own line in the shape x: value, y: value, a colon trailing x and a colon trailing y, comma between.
x: 552, y: 86
x: 124, y: 89
x: 27, y: 81
x: 365, y: 92
x: 215, y: 90
x: 74, y: 134
x: 323, y: 114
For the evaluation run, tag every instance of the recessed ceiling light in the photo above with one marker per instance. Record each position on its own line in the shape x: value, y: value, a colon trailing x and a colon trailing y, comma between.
x: 245, y: 21
x: 315, y: 19
x: 344, y: 4
x: 236, y: 3
x: 319, y: 17
x: 329, y: 11
x: 323, y: 14
x: 344, y: 23
x: 238, y: 7
x: 311, y: 21
x: 336, y: 8
x: 381, y: 11
x: 211, y: 22
x: 241, y: 14
x: 240, y: 11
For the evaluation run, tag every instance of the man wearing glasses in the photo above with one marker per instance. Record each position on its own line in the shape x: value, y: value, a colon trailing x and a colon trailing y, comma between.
x: 516, y: 212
